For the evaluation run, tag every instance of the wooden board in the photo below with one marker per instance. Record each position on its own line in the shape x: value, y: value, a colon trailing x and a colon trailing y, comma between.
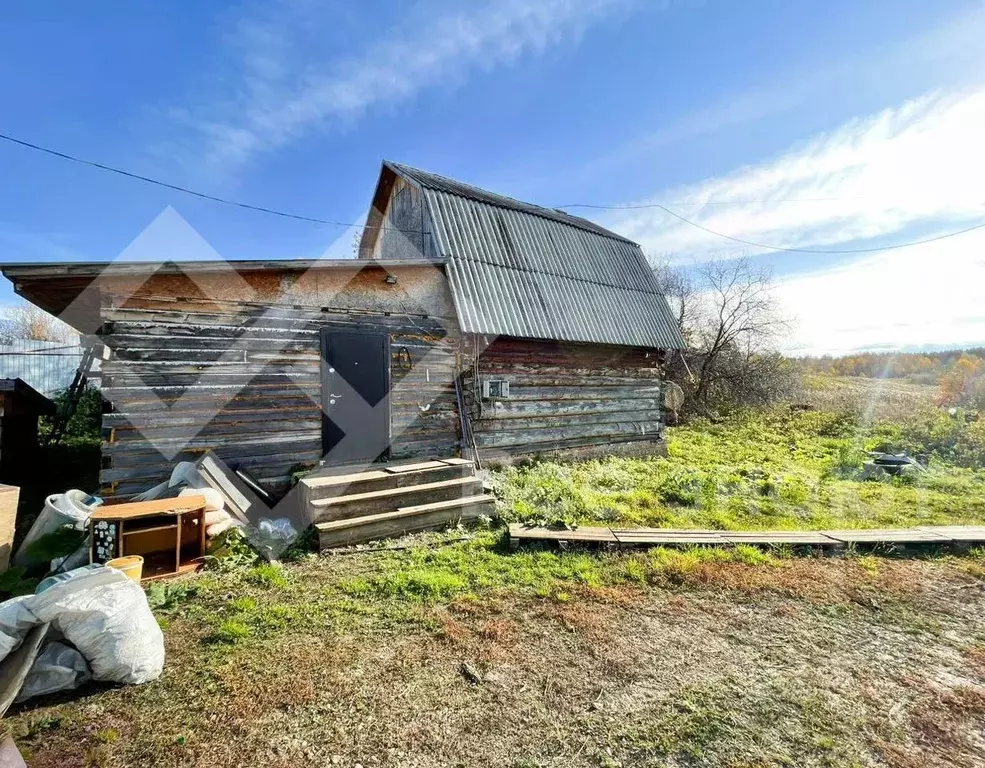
x: 587, y: 535
x: 964, y: 533
x: 659, y: 537
x: 455, y: 462
x: 767, y: 538
x: 329, y: 481
x: 9, y: 496
x: 137, y: 509
x: 643, y: 537
x: 888, y: 536
x: 417, y: 467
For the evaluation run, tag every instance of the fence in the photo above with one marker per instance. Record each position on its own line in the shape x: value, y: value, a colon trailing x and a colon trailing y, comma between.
x: 48, y: 366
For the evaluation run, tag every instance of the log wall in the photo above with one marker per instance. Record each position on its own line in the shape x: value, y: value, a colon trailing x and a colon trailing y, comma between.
x: 203, y: 367
x: 565, y: 397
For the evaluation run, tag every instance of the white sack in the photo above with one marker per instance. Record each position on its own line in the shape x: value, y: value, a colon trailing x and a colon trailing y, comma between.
x: 181, y: 471
x: 213, y: 499
x: 58, y: 667
x: 221, y: 527
x: 220, y: 516
x: 105, y: 615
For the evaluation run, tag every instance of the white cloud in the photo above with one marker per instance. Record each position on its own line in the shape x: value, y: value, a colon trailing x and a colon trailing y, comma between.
x: 907, y: 173
x: 918, y: 165
x: 929, y: 295
x: 288, y: 89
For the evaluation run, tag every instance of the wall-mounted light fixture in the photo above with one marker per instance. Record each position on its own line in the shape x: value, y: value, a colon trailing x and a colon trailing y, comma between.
x: 390, y: 279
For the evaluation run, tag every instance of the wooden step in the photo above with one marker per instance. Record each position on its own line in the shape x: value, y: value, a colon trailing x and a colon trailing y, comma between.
x: 316, y: 488
x: 420, y: 517
x: 391, y: 499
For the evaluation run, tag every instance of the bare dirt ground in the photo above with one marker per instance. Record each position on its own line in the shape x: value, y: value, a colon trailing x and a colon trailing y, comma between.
x: 863, y: 661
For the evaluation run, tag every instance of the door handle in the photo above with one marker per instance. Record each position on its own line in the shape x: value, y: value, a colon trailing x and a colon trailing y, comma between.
x: 335, y: 396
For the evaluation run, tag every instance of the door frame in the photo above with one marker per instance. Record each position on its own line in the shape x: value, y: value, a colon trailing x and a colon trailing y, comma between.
x: 324, y: 334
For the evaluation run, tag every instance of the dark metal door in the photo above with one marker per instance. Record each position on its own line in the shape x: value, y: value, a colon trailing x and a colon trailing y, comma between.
x: 355, y: 396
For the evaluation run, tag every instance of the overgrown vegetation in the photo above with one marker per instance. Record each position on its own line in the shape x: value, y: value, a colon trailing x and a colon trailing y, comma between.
x: 85, y: 425
x: 700, y: 657
x: 728, y: 314
x: 779, y: 468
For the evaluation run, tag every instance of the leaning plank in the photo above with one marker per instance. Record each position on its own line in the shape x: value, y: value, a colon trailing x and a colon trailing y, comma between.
x: 897, y: 536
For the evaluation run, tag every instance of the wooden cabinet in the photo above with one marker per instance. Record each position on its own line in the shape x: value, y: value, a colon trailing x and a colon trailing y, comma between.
x: 168, y: 533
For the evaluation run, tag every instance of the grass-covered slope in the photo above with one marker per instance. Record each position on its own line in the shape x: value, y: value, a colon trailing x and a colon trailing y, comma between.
x: 774, y: 469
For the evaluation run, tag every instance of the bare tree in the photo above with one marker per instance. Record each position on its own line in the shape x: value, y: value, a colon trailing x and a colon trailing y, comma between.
x: 29, y: 322
x: 679, y: 288
x: 739, y: 315
x: 731, y: 319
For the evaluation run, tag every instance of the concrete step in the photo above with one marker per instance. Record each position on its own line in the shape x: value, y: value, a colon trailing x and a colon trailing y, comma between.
x: 391, y: 499
x: 331, y: 485
x: 420, y: 517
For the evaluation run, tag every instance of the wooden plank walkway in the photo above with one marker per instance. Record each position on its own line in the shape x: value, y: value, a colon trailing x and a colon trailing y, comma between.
x: 653, y: 537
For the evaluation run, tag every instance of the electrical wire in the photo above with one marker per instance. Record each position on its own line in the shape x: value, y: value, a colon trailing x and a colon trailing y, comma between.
x: 754, y: 244
x: 712, y: 202
x: 187, y: 191
x: 315, y: 220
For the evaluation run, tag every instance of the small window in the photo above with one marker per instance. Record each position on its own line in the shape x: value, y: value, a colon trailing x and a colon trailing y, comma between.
x: 495, y: 389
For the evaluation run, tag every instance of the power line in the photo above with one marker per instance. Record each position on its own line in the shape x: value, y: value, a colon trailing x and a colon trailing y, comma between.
x: 186, y: 190
x: 713, y: 202
x: 754, y: 244
x: 315, y: 220
x: 893, y: 247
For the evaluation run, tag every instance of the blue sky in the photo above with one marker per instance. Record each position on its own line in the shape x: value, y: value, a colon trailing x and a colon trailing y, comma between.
x: 703, y: 106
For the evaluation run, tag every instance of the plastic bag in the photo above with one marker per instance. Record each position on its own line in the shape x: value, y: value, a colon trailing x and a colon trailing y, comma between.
x: 179, y: 476
x: 105, y: 615
x: 71, y: 508
x: 15, y: 621
x: 271, y: 537
x: 59, y: 667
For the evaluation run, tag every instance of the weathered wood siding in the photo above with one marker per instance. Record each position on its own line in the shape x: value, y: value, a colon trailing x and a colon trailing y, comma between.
x: 239, y: 372
x: 565, y: 396
x: 405, y: 229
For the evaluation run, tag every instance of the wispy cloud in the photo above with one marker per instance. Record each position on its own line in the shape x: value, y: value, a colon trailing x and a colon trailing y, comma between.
x: 913, y: 168
x: 287, y: 88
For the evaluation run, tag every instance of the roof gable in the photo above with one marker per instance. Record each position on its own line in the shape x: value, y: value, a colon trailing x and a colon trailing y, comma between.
x: 523, y: 270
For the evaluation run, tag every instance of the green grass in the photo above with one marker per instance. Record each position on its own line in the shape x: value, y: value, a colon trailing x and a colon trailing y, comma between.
x: 702, y: 656
x: 777, y: 469
x: 473, y: 569
x: 267, y: 575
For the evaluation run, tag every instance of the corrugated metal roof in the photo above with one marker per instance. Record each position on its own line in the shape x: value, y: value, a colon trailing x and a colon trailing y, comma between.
x: 521, y: 270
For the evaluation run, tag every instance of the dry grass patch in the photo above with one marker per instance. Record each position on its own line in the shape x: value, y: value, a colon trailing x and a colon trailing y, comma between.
x: 659, y: 658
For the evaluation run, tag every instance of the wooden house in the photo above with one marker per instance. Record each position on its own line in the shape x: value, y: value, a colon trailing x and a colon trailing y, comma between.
x: 470, y: 324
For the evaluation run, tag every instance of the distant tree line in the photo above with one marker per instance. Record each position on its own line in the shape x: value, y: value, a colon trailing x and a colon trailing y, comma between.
x: 958, y: 374
x: 918, y: 367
